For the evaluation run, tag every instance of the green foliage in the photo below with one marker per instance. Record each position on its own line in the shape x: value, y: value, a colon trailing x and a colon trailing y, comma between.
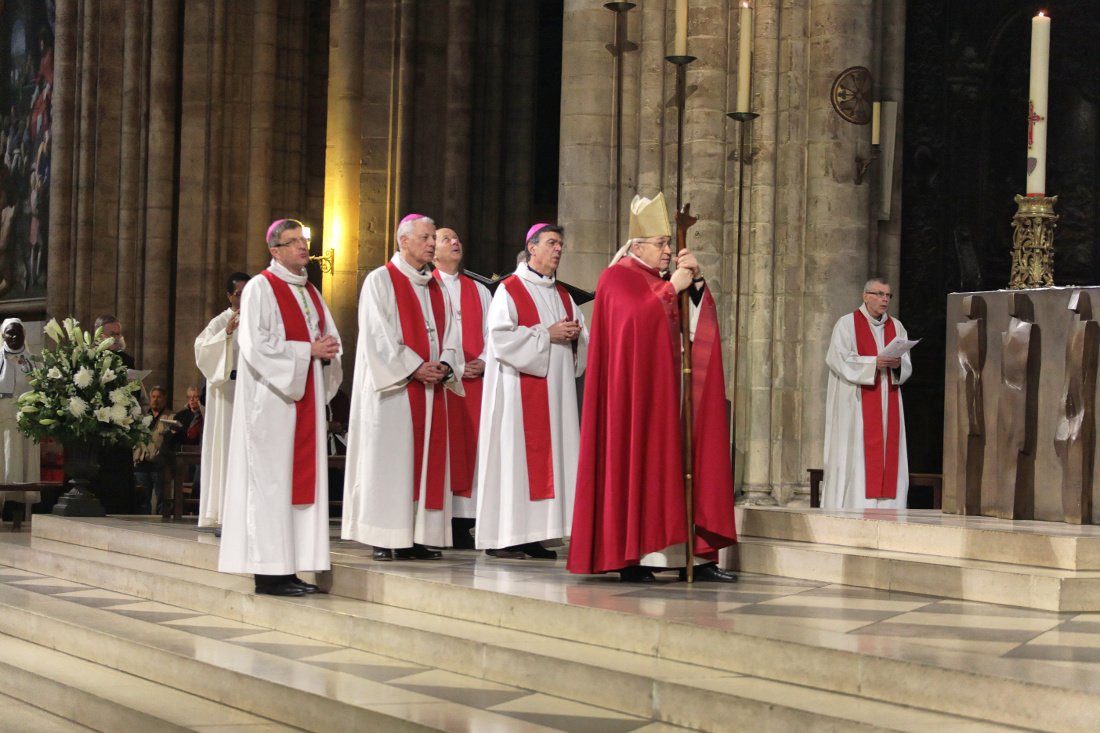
x: 81, y: 391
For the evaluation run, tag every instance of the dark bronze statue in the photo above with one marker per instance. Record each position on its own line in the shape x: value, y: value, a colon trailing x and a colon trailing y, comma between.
x: 1014, y: 496
x: 1075, y: 438
x: 970, y: 408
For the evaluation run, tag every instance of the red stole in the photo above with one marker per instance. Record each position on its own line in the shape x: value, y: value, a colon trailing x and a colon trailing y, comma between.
x: 415, y: 332
x: 537, y: 436
x: 880, y: 461
x: 464, y: 413
x: 304, y: 483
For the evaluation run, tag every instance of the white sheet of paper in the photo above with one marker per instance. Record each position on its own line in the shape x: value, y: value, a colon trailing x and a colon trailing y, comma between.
x: 138, y: 375
x: 898, y: 347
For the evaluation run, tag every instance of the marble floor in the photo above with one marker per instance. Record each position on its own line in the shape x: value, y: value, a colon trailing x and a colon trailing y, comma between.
x: 1056, y: 648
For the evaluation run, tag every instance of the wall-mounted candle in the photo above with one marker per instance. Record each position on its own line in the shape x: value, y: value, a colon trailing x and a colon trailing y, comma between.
x: 1037, y: 106
x: 681, y: 45
x: 744, y: 58
x: 876, y: 121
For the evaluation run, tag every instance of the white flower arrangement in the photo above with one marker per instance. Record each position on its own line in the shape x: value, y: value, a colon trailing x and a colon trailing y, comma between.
x: 81, y: 391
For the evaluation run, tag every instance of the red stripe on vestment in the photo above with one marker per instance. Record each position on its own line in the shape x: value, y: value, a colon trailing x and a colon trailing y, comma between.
x: 304, y: 483
x: 535, y: 398
x: 464, y: 413
x: 414, y: 331
x: 880, y: 453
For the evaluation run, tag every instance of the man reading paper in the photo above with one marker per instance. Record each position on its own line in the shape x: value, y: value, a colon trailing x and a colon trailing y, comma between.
x: 866, y: 466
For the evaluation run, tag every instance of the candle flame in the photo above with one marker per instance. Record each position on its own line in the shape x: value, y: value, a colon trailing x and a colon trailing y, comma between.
x: 1042, y: 14
x: 745, y: 4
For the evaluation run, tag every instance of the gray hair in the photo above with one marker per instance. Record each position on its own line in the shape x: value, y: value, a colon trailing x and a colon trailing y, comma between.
x: 526, y: 254
x: 405, y: 228
x: 276, y: 230
x: 880, y: 280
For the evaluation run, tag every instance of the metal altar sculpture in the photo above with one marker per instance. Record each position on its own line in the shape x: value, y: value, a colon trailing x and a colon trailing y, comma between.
x: 1033, y: 242
x: 1020, y: 422
x: 1075, y: 438
x: 971, y: 336
x: 1014, y: 497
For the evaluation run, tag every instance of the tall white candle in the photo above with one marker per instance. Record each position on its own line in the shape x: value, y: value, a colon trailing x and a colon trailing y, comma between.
x: 1037, y: 106
x: 876, y: 121
x: 744, y: 59
x: 681, y: 45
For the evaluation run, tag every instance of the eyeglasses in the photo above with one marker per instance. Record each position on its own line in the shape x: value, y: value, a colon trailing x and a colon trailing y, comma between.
x: 879, y: 294
x: 293, y: 242
x: 658, y: 242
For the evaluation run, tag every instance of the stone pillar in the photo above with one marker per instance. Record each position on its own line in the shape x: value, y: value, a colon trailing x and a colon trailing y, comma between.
x: 764, y: 376
x: 456, y: 118
x: 586, y: 156
x: 155, y: 251
x: 836, y: 259
x: 343, y: 168
x: 261, y: 167
x: 64, y: 128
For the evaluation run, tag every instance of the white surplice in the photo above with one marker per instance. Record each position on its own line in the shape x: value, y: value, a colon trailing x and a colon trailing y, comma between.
x: 506, y: 515
x: 466, y: 506
x: 262, y: 531
x: 379, y: 508
x: 216, y: 358
x: 845, y: 485
x: 20, y: 458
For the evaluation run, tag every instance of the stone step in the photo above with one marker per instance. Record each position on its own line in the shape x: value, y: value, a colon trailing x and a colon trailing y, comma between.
x: 19, y: 717
x: 929, y: 532
x: 971, y: 580
x: 82, y: 696
x: 262, y: 674
x: 648, y: 666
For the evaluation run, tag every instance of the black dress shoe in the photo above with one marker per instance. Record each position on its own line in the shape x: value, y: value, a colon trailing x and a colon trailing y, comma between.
x: 506, y: 553
x: 537, y: 551
x: 417, y: 552
x: 710, y: 573
x: 307, y: 587
x: 636, y: 574
x: 284, y: 588
x: 382, y: 554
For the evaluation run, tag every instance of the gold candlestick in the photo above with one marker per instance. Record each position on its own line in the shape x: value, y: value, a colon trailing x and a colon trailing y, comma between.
x: 1033, y: 242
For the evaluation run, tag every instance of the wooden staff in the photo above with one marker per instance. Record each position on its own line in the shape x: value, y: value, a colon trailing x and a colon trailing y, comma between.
x: 684, y: 220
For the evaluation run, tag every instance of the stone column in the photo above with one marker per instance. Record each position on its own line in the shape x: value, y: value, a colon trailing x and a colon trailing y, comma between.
x: 64, y: 129
x: 836, y: 238
x: 763, y: 373
x: 158, y: 213
x: 586, y: 122
x: 261, y: 137
x: 457, y: 116
x: 343, y: 168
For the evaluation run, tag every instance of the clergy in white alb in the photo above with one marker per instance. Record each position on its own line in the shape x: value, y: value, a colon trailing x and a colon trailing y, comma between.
x: 275, y: 520
x: 397, y: 484
x: 469, y: 304
x: 530, y: 423
x: 216, y: 358
x: 866, y: 466
x: 20, y: 459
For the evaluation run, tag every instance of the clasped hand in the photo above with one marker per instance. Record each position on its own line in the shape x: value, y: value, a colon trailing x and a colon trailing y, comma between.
x: 325, y: 347
x: 564, y: 331
x: 888, y: 362
x: 431, y: 372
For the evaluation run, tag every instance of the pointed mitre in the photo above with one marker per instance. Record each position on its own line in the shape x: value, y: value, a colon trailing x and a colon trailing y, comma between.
x: 649, y: 217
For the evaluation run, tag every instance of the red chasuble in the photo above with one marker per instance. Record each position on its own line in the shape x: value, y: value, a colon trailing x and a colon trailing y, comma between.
x: 295, y: 328
x: 464, y: 413
x: 880, y: 454
x: 414, y: 331
x: 537, y: 437
x: 630, y: 478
